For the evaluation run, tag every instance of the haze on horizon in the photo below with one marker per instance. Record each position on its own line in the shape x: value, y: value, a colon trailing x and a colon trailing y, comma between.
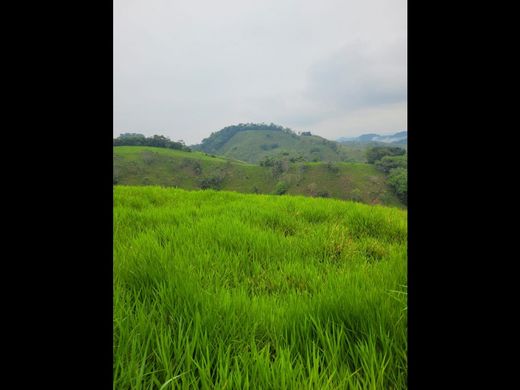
x: 184, y: 69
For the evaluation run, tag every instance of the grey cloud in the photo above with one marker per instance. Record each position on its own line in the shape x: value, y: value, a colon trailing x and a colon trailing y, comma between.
x: 359, y: 76
x: 187, y: 68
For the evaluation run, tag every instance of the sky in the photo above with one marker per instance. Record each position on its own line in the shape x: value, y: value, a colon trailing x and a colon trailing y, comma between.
x: 187, y: 68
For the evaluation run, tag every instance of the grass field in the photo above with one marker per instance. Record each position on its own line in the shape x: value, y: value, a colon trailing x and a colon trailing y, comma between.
x: 142, y: 165
x: 221, y: 290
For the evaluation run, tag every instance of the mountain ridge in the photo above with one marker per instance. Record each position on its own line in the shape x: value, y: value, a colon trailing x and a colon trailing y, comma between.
x: 400, y: 137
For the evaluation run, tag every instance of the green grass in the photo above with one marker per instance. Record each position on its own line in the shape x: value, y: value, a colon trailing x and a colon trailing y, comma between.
x: 221, y: 290
x: 135, y: 165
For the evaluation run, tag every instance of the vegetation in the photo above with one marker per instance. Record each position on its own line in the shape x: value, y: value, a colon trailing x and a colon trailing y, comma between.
x: 220, y: 290
x: 160, y: 141
x: 394, y: 163
x: 377, y: 153
x: 216, y: 140
x: 157, y: 166
x: 387, y: 163
x: 398, y: 180
x: 256, y: 142
x: 281, y: 187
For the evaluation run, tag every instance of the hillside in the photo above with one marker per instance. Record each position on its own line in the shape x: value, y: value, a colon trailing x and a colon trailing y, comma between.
x: 397, y: 138
x: 134, y: 165
x: 220, y: 290
x: 254, y: 142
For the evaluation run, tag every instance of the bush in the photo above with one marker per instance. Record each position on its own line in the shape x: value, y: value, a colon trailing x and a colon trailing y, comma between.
x: 267, y: 162
x: 332, y: 168
x: 298, y: 158
x: 356, y: 195
x: 269, y: 146
x: 197, y: 169
x: 214, y: 182
x: 323, y: 194
x: 281, y: 187
x: 279, y: 167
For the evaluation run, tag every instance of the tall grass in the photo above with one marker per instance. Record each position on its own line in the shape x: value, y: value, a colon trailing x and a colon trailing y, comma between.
x: 219, y: 290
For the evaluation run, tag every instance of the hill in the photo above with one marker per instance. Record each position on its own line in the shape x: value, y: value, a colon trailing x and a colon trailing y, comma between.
x: 254, y: 142
x: 135, y: 165
x: 397, y: 138
x: 215, y: 290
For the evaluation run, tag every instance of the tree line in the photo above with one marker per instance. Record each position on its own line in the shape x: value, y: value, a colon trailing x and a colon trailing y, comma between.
x: 159, y: 141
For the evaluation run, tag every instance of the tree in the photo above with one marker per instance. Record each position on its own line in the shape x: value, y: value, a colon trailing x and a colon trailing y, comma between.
x: 387, y: 163
x: 130, y: 139
x: 398, y: 180
x: 378, y: 152
x: 160, y: 141
x: 281, y: 187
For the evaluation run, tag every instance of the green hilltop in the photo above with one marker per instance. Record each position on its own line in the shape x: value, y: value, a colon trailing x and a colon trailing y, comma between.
x: 145, y: 165
x: 254, y: 142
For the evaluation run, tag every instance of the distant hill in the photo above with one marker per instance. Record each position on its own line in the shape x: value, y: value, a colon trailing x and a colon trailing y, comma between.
x: 397, y: 138
x: 254, y: 142
x: 142, y: 165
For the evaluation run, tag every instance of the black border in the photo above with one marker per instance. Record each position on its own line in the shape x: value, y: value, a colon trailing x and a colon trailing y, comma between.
x: 61, y: 78
x: 64, y: 91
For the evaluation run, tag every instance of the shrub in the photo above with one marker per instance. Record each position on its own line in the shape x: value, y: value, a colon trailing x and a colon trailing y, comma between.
x: 356, y: 195
x: 197, y: 169
x: 214, y: 182
x: 281, y: 187
x: 332, y: 168
x: 323, y: 194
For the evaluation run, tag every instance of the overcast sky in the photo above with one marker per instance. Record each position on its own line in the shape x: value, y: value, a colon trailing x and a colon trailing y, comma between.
x: 186, y: 68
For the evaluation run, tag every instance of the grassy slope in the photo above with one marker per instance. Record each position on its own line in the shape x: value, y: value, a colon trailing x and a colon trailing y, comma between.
x: 135, y: 165
x: 247, y: 146
x: 217, y: 290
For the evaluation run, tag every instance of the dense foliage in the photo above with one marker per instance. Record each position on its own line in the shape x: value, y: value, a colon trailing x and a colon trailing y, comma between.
x: 398, y: 181
x: 160, y: 141
x: 393, y: 161
x: 387, y: 163
x: 378, y: 152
